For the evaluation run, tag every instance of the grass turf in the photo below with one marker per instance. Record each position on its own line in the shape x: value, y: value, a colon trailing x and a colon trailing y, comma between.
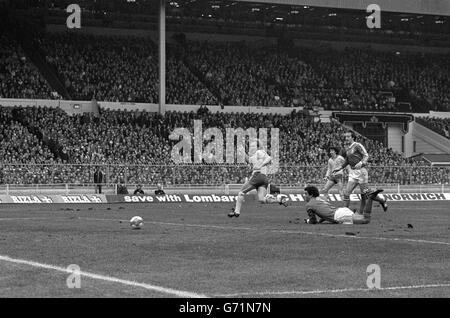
x: 267, y: 252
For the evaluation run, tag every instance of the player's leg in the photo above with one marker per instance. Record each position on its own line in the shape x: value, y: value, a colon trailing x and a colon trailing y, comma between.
x: 268, y: 198
x: 328, y: 185
x: 364, y: 180
x: 340, y: 186
x: 360, y: 219
x: 383, y: 202
x: 374, y: 194
x: 247, y: 187
x: 364, y: 218
x: 262, y: 195
x: 351, y: 185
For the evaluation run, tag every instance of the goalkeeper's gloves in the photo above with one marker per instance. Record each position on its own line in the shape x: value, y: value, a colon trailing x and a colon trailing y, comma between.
x: 310, y: 221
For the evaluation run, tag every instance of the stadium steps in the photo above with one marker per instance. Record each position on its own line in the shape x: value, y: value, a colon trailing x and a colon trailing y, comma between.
x: 25, y: 38
x: 49, y: 143
x: 197, y: 73
x: 429, y: 141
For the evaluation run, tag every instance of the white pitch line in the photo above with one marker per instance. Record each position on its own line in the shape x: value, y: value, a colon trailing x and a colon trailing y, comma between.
x: 330, y: 291
x: 170, y: 291
x: 362, y: 237
x: 283, y: 231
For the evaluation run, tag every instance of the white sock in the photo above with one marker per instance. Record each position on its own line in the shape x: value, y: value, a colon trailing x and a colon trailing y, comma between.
x: 239, y: 202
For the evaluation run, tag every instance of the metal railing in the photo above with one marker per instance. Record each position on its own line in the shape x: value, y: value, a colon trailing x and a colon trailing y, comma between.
x: 227, y: 189
x: 70, y: 176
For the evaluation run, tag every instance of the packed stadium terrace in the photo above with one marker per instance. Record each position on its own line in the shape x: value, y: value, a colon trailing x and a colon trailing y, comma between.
x: 19, y: 77
x: 135, y: 147
x: 125, y: 69
x: 439, y: 125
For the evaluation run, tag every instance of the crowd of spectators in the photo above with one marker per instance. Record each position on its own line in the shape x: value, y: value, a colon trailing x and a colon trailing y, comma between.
x: 353, y: 79
x: 120, y: 69
x: 439, y: 125
x: 18, y: 77
x: 125, y: 69
x: 46, y: 145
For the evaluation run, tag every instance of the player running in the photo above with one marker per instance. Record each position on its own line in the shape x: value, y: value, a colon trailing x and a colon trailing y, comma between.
x: 356, y: 159
x: 336, y: 161
x: 258, y: 181
x: 320, y: 211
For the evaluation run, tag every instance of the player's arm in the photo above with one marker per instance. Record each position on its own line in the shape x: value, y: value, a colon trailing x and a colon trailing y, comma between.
x: 365, y: 156
x: 343, y: 164
x: 330, y: 169
x: 266, y: 161
x: 312, y: 218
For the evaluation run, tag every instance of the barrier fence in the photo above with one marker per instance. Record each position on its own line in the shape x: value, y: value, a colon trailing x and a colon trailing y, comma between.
x: 219, y: 178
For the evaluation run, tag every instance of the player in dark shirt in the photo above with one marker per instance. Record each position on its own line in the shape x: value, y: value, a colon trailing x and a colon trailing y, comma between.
x: 356, y: 158
x: 322, y: 211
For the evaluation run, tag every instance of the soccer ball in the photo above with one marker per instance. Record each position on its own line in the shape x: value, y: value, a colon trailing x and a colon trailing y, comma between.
x: 136, y: 222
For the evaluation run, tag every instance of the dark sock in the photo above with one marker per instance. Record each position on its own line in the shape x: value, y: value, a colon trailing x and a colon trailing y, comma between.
x: 363, y: 202
x: 346, y: 201
x: 368, y: 208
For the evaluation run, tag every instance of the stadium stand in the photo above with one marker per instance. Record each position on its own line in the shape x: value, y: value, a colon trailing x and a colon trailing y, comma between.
x: 439, y: 125
x: 125, y: 69
x: 59, y: 148
x: 120, y: 69
x: 135, y: 146
x: 18, y: 77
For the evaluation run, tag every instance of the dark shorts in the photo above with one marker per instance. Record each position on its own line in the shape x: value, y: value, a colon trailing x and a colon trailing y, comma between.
x: 257, y: 180
x: 336, y: 178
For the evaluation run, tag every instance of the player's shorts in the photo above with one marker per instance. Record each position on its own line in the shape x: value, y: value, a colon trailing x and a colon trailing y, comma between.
x: 257, y: 180
x: 336, y: 178
x: 358, y: 175
x: 343, y: 216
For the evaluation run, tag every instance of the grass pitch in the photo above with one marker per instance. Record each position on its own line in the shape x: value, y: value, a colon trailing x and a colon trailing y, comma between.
x: 187, y: 250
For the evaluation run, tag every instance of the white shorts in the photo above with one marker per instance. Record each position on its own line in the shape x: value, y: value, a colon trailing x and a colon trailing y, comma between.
x: 358, y: 175
x: 343, y: 215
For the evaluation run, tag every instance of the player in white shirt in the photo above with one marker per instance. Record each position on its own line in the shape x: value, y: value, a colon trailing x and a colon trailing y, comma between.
x: 258, y: 181
x: 335, y: 162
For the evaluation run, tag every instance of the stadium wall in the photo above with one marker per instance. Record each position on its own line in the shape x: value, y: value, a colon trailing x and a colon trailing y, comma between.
x: 78, y: 107
x: 189, y: 108
x: 341, y: 45
x: 198, y: 198
x: 436, y: 7
x: 154, y: 35
x: 69, y: 106
x: 420, y: 139
x: 394, y: 137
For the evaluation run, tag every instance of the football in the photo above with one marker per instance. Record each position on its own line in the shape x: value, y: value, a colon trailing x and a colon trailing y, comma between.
x: 136, y: 222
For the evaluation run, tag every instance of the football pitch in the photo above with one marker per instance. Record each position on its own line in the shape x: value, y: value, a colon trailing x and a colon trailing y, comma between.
x: 195, y: 250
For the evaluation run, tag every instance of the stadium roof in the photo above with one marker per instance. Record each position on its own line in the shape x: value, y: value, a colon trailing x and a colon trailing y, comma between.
x: 433, y: 7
